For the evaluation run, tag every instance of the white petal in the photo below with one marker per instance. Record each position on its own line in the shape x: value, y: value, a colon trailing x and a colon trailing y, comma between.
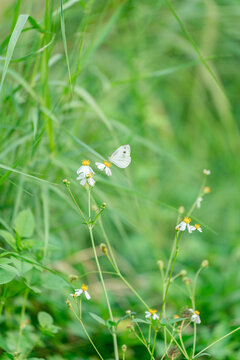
x: 81, y: 169
x: 199, y: 200
x: 148, y: 314
x: 181, y: 226
x: 85, y: 170
x: 191, y: 228
x: 81, y: 176
x: 88, y: 297
x: 83, y: 181
x: 108, y: 171
x: 78, y: 292
x: 191, y: 310
x: 155, y: 316
x: 100, y: 166
x: 91, y: 181
x: 199, y: 229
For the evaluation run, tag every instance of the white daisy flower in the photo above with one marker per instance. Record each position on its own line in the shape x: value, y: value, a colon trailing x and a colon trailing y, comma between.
x: 206, y: 172
x: 79, y: 292
x: 196, y: 227
x: 85, y: 168
x: 105, y: 166
x: 195, y: 317
x: 184, y: 224
x: 151, y: 313
x: 86, y: 178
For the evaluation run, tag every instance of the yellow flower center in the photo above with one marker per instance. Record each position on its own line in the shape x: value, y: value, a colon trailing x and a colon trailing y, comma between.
x: 176, y: 317
x: 152, y: 311
x: 107, y: 164
x: 197, y: 226
x: 85, y: 162
x: 84, y: 287
x: 187, y: 220
x: 197, y: 312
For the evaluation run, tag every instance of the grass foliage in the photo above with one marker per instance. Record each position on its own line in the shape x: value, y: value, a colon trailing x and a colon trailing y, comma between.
x: 78, y: 79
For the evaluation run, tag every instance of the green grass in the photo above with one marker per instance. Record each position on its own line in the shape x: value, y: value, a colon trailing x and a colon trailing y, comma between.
x: 78, y: 79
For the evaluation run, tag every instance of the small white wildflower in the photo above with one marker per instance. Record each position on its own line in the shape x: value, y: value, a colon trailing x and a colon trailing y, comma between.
x: 196, y: 227
x: 199, y: 200
x: 89, y: 178
x: 195, y: 317
x: 184, y: 224
x: 206, y: 172
x: 85, y: 169
x: 83, y: 289
x: 151, y: 313
x: 105, y: 166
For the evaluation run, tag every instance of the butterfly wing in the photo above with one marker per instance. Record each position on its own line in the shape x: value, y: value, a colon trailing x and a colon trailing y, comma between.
x: 121, y: 157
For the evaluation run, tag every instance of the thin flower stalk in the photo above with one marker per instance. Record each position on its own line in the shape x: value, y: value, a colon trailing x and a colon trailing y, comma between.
x: 114, y: 335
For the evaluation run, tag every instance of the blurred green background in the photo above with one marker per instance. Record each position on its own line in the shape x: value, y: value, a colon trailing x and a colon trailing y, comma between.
x: 135, y: 78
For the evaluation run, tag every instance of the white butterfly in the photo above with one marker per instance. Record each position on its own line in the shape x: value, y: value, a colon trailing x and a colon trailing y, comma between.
x: 121, y: 157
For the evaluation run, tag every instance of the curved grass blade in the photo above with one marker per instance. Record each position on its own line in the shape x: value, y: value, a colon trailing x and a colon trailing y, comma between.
x: 65, y: 44
x: 12, y: 43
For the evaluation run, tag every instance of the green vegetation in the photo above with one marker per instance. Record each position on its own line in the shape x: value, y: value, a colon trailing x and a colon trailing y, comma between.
x: 79, y: 78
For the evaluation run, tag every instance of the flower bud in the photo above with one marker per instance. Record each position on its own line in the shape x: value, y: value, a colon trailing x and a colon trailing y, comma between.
x: 205, y: 263
x: 181, y: 210
x: 124, y: 348
x: 206, y: 172
x: 206, y: 190
x: 66, y: 182
x: 183, y: 272
x: 160, y: 264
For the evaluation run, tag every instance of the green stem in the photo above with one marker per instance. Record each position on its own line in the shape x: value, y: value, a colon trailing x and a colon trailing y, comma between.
x: 193, y: 306
x: 154, y: 343
x: 101, y: 277
x: 178, y: 239
x: 22, y: 318
x: 86, y: 332
x: 127, y: 283
x: 215, y: 342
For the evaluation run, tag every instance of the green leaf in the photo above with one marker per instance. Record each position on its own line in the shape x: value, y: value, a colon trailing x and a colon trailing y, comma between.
x: 7, y: 273
x: 12, y: 43
x: 202, y: 354
x: 45, y: 319
x: 9, y: 238
x: 98, y: 319
x: 111, y: 323
x: 53, y: 282
x: 173, y: 321
x: 25, y: 223
x: 141, y: 321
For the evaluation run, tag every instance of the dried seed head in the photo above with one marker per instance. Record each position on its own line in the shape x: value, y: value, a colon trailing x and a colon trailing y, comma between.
x: 173, y: 353
x: 187, y: 281
x: 73, y: 278
x: 103, y: 248
x: 69, y: 305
